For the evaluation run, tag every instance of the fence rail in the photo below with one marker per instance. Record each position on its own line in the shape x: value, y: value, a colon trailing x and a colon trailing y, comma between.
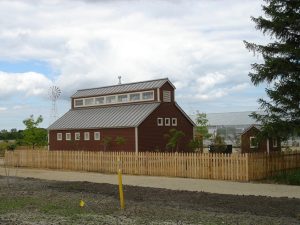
x: 239, y: 167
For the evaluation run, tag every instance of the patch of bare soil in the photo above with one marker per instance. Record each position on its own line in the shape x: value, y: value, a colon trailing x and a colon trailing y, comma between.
x: 32, y: 201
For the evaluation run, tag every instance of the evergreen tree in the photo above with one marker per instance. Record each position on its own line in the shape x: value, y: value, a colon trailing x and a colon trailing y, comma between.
x: 280, y: 69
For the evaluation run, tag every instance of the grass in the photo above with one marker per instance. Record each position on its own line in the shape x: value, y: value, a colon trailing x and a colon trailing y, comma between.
x: 62, y: 208
x: 291, y: 177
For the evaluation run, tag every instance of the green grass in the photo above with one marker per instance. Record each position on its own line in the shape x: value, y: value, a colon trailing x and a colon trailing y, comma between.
x: 9, y: 204
x: 62, y: 208
x: 291, y: 177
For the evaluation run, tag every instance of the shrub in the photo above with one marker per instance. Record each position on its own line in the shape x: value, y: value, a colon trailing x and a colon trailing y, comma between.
x: 11, y: 147
x: 291, y: 177
x: 3, y: 147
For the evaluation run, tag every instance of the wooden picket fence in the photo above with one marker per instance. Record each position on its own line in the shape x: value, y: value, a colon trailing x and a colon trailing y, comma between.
x: 238, y: 167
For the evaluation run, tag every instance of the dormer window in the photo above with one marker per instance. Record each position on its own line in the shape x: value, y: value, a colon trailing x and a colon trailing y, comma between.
x: 148, y: 95
x: 99, y: 101
x: 89, y: 101
x: 135, y: 97
x: 111, y: 99
x: 78, y: 102
x: 122, y: 98
x: 115, y: 99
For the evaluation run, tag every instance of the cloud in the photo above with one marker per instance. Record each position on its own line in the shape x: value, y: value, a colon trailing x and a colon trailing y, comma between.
x: 3, y: 109
x: 197, y: 44
x: 19, y: 107
x: 28, y: 84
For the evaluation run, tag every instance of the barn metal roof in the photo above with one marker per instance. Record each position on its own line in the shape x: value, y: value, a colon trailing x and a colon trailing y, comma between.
x: 122, y: 88
x: 105, y: 117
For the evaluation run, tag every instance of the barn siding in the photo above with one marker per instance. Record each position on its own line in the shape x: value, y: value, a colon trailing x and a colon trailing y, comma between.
x: 151, y: 136
x: 92, y: 145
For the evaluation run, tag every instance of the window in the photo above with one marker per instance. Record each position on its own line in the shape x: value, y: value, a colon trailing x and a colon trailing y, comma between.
x: 275, y: 144
x: 78, y: 102
x: 96, y: 136
x: 135, y: 97
x: 160, y: 122
x: 68, y: 136
x: 99, y: 101
x: 122, y: 98
x: 253, y: 142
x: 86, y: 136
x: 59, y: 136
x: 167, y: 96
x: 148, y: 95
x: 174, y: 122
x: 88, y: 101
x: 111, y: 99
x: 167, y: 121
x: 77, y: 136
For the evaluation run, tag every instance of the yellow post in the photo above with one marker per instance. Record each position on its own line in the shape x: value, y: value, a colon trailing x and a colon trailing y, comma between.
x: 122, y: 202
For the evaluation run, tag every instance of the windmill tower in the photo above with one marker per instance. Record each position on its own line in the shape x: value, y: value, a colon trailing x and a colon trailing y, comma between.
x: 54, y: 93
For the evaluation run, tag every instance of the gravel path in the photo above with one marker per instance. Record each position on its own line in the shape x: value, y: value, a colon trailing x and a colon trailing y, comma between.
x: 211, y: 186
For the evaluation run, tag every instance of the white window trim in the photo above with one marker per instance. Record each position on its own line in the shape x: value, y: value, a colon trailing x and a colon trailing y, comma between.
x: 77, y: 106
x: 59, y: 136
x: 96, y: 139
x: 174, y: 122
x: 86, y: 136
x: 77, y: 139
x: 160, y: 121
x: 167, y: 122
x: 68, y: 137
x: 252, y: 146
x: 116, y: 96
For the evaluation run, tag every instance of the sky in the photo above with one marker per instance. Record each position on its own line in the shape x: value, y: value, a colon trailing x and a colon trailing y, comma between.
x: 77, y: 44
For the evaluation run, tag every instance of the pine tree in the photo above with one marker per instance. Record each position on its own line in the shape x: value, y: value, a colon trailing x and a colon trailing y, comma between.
x: 280, y: 69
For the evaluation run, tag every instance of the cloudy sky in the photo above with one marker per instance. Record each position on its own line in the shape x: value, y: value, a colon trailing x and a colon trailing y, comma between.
x: 80, y: 44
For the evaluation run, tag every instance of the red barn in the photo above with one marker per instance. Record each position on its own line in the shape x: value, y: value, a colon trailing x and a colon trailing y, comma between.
x: 249, y: 143
x: 125, y: 117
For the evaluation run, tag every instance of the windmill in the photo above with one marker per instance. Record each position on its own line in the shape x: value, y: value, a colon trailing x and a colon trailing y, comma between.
x: 53, y: 93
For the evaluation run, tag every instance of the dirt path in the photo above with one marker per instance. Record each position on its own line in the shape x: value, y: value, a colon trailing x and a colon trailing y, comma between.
x: 211, y: 186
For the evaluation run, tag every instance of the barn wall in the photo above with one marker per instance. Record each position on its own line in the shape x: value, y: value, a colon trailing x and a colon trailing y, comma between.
x: 151, y: 136
x: 92, y: 145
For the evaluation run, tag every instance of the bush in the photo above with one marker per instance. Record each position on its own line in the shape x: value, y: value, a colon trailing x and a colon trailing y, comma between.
x: 11, y: 147
x: 3, y: 147
x: 291, y: 177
